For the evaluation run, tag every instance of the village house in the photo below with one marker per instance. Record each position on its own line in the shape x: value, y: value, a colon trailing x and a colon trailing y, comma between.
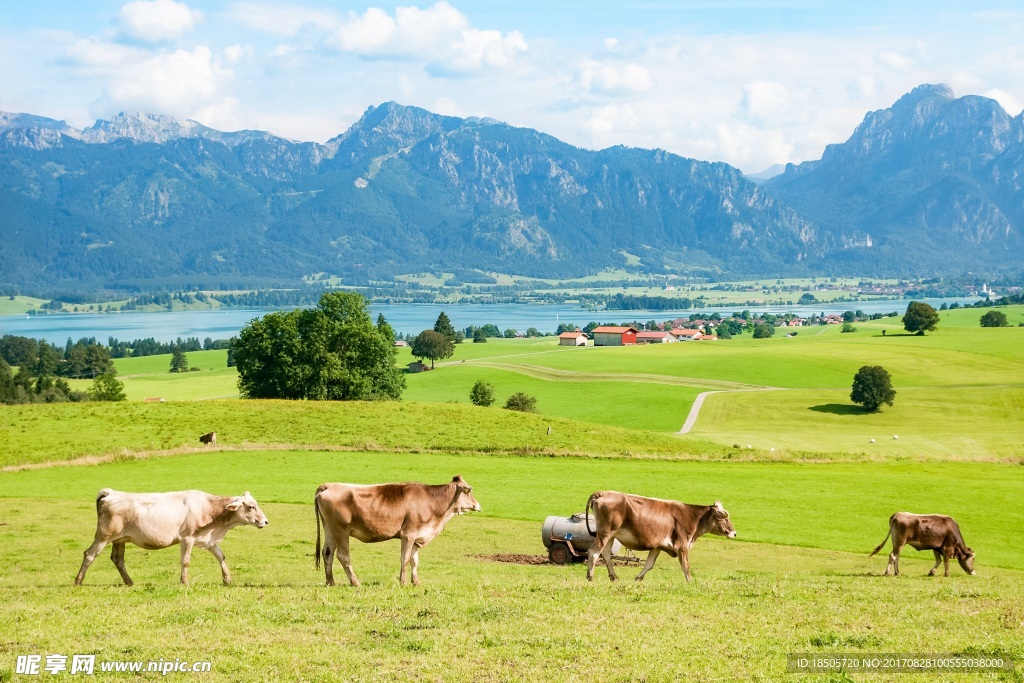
x: 684, y: 334
x: 607, y: 335
x: 572, y: 339
x: 654, y: 337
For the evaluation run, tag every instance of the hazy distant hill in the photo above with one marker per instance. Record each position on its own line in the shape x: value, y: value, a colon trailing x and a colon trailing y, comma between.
x: 933, y: 183
x: 146, y: 199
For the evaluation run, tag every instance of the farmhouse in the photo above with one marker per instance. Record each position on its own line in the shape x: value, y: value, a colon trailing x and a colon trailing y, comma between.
x: 614, y: 336
x: 655, y: 337
x: 683, y: 334
x: 572, y: 339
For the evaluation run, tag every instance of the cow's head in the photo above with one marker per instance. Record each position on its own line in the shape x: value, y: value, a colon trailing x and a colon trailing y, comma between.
x: 965, y: 556
x: 464, y: 500
x: 247, y: 510
x: 720, y: 524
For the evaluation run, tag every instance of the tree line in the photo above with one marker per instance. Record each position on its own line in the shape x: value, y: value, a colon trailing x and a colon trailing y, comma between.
x: 43, y: 371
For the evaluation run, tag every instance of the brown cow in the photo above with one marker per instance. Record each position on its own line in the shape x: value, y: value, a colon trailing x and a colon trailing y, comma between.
x: 414, y: 513
x: 209, y: 438
x: 651, y: 524
x: 160, y: 520
x: 938, y: 533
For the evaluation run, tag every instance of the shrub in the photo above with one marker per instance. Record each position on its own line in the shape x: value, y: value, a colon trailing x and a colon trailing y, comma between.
x: 994, y: 319
x: 482, y: 393
x: 848, y: 327
x: 524, y: 403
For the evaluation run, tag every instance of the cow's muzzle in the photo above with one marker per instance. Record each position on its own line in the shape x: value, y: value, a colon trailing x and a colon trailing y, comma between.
x: 732, y: 534
x: 262, y: 523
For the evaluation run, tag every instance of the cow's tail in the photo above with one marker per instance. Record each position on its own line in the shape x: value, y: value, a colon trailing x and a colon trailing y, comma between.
x: 316, y: 506
x: 884, y: 541
x: 586, y: 512
x: 100, y: 496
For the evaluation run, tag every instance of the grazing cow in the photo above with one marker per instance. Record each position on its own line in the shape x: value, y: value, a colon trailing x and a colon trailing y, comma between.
x: 414, y: 513
x: 160, y: 520
x: 651, y: 524
x: 938, y: 533
x: 209, y: 438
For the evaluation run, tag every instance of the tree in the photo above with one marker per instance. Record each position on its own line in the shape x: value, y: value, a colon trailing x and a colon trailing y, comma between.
x: 432, y: 345
x: 849, y: 316
x: 491, y: 330
x: 179, y: 361
x: 920, y: 318
x: 532, y: 332
x: 510, y: 333
x: 479, y: 337
x: 482, y: 393
x: 764, y: 331
x: 994, y: 319
x: 848, y: 327
x: 524, y: 403
x: 106, y: 387
x: 444, y: 326
x: 872, y: 387
x: 384, y: 327
x: 332, y: 352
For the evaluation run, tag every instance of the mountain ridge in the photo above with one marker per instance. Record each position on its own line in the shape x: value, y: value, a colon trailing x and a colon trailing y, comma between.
x: 145, y: 198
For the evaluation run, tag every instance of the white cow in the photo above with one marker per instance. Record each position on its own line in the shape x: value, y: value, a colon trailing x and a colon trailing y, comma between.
x: 160, y: 520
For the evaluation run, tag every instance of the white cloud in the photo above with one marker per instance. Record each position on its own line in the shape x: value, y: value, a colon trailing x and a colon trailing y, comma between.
x: 155, y: 21
x: 282, y: 20
x: 440, y: 36
x: 1006, y: 100
x: 178, y: 82
x: 614, y: 79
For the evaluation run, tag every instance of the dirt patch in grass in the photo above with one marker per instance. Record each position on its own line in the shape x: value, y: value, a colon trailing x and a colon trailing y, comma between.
x: 516, y: 558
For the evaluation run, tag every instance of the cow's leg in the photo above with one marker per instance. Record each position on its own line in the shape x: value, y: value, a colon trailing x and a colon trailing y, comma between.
x: 186, y: 557
x: 117, y: 557
x: 346, y: 562
x: 592, y: 554
x: 219, y: 554
x: 606, y: 555
x: 894, y: 559
x: 938, y: 561
x: 408, y: 548
x: 945, y: 561
x: 684, y: 561
x: 414, y: 565
x: 90, y: 554
x: 651, y: 557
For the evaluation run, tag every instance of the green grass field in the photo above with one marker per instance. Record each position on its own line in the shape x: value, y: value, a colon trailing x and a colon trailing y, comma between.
x: 797, y: 580
x: 809, y: 500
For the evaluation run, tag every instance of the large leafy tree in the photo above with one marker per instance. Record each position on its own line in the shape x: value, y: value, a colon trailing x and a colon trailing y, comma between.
x: 920, y: 318
x: 872, y: 386
x: 432, y: 345
x: 331, y: 352
x: 444, y: 326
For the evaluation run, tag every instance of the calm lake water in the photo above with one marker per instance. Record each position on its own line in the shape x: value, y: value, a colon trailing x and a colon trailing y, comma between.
x: 405, y: 318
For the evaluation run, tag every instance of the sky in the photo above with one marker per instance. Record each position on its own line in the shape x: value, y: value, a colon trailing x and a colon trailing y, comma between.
x: 752, y: 83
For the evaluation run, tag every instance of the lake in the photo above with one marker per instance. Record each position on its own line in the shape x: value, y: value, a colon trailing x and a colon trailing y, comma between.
x: 405, y: 318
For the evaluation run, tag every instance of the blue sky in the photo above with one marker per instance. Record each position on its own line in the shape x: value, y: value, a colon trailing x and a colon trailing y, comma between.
x: 749, y: 82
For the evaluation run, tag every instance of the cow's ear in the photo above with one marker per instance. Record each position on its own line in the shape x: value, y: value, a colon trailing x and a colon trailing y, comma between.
x: 235, y: 504
x: 457, y: 478
x: 718, y: 505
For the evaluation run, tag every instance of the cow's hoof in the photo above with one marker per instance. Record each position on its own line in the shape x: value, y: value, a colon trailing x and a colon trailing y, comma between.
x: 639, y: 578
x: 931, y: 573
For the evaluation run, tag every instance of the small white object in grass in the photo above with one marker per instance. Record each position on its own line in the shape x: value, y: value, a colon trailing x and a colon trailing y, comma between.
x: 749, y: 446
x: 773, y: 450
x: 872, y: 440
x: 895, y: 436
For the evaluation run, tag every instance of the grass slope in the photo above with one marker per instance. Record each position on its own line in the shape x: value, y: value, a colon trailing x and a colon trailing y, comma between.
x: 40, y: 433
x: 474, y: 619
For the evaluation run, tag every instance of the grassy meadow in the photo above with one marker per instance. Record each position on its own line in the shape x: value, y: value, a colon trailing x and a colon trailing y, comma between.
x: 809, y: 500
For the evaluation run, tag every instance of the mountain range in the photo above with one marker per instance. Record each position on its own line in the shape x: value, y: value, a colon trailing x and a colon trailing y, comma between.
x: 930, y: 186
